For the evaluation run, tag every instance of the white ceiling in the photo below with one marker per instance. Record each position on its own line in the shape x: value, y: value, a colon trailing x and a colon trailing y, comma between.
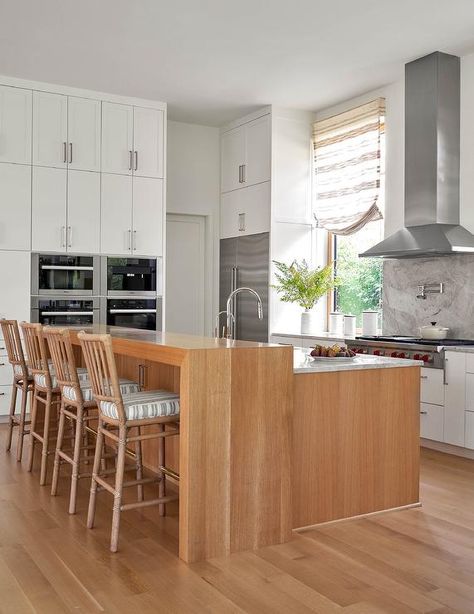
x: 213, y: 60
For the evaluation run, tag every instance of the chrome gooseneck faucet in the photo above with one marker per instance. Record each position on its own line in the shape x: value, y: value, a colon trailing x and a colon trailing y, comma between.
x: 231, y: 316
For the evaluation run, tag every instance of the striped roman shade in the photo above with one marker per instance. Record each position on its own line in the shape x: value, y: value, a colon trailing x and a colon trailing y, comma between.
x: 348, y: 151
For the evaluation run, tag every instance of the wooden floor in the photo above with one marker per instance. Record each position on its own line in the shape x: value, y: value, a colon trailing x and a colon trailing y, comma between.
x: 419, y: 560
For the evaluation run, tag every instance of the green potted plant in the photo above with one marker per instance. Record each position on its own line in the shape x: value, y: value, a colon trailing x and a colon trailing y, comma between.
x: 298, y: 283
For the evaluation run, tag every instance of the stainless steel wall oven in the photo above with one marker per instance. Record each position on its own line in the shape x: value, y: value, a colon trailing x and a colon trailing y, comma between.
x: 56, y: 274
x: 65, y: 311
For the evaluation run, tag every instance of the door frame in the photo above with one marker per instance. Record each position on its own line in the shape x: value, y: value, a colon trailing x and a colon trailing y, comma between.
x: 209, y: 273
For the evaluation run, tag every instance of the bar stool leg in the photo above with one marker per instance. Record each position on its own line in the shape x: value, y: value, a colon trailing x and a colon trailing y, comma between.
x: 75, y: 461
x: 34, y: 413
x: 57, y: 458
x: 44, y: 452
x: 21, y: 426
x: 161, y: 463
x: 139, y: 461
x: 95, y: 470
x: 12, y: 413
x: 118, y: 488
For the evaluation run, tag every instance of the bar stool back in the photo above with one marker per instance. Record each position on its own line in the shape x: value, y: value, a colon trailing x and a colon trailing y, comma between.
x: 22, y: 381
x: 121, y: 414
x: 45, y: 392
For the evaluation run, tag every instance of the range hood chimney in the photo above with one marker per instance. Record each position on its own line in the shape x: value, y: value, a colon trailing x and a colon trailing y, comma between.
x: 432, y: 111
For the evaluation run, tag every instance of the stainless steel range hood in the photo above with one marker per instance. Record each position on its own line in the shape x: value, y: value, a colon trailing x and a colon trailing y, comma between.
x: 432, y: 111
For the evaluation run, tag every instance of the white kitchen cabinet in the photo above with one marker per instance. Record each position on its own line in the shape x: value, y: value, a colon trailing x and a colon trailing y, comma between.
x: 455, y: 398
x: 117, y: 138
x: 469, y: 430
x: 15, y: 276
x: 432, y: 386
x: 469, y: 390
x: 84, y: 134
x: 116, y: 215
x: 148, y: 140
x: 5, y: 397
x: 83, y: 212
x: 15, y: 125
x: 258, y: 151
x: 15, y: 209
x: 469, y: 362
x: 431, y: 421
x: 147, y: 231
x: 50, y: 130
x: 49, y: 210
x: 246, y: 212
x: 232, y: 158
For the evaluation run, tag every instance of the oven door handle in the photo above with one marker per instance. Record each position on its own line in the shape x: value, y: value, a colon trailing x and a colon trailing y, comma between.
x: 114, y: 311
x: 67, y: 313
x: 54, y: 267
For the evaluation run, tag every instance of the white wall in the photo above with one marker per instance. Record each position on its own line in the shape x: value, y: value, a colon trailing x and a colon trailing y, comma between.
x: 193, y: 188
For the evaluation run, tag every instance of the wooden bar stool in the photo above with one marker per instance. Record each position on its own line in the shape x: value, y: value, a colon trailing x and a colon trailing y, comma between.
x: 77, y: 405
x: 120, y: 414
x: 22, y: 381
x: 46, y: 392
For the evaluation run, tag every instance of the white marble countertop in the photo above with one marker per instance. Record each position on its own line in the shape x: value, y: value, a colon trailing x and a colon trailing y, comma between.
x: 321, y: 335
x: 467, y: 349
x: 303, y: 364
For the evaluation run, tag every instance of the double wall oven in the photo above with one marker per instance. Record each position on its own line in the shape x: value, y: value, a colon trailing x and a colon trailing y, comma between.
x: 72, y: 290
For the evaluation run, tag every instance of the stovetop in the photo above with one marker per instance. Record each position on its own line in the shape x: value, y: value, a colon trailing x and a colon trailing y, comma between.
x: 416, y: 340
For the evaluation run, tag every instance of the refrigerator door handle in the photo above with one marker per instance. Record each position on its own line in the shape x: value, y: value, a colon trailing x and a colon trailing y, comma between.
x: 234, y: 301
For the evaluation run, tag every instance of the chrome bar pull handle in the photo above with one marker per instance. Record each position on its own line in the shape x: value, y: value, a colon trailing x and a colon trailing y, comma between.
x: 129, y: 232
x: 136, y: 161
x: 244, y: 173
x: 65, y: 152
x: 70, y: 153
x: 69, y: 232
x: 130, y: 159
x: 240, y: 173
x: 63, y: 236
x: 134, y: 240
x: 241, y: 222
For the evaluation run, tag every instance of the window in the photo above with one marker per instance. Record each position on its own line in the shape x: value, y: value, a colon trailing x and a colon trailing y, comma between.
x: 349, y: 162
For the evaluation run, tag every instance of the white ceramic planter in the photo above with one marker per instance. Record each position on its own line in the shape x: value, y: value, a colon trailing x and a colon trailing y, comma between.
x: 306, y: 322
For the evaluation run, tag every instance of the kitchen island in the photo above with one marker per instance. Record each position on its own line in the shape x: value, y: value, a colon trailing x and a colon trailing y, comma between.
x: 270, y: 442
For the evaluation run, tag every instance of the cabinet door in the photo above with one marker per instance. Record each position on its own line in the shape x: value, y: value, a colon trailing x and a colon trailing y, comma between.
x: 83, y: 212
x: 469, y: 441
x: 116, y: 215
x: 15, y: 125
x: 83, y: 134
x: 49, y: 210
x: 431, y: 421
x: 258, y: 151
x: 15, y: 276
x: 432, y: 386
x: 117, y: 138
x: 49, y: 129
x: 148, y: 142
x: 230, y: 203
x: 15, y: 214
x: 455, y: 398
x: 232, y: 158
x: 256, y: 209
x: 147, y: 216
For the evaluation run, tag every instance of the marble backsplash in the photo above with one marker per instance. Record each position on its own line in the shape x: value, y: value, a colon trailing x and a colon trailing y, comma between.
x: 403, y: 313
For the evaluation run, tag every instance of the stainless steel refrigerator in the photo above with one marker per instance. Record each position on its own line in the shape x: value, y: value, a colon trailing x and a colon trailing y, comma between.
x: 244, y: 261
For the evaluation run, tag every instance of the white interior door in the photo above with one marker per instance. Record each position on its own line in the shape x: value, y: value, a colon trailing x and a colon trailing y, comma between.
x: 84, y: 134
x: 185, y: 274
x: 148, y: 142
x: 117, y: 138
x: 83, y: 212
x: 49, y: 129
x: 49, y: 209
x: 15, y: 125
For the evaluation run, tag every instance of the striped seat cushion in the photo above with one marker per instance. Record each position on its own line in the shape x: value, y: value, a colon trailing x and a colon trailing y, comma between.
x: 40, y: 378
x: 126, y: 387
x: 141, y: 405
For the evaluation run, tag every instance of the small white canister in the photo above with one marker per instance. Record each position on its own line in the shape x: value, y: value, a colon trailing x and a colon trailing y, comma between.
x: 336, y: 323
x: 349, y: 325
x: 370, y: 322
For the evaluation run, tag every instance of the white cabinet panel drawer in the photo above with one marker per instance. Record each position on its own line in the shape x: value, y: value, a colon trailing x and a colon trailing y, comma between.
x: 469, y: 362
x: 432, y: 387
x: 469, y: 429
x: 470, y: 391
x: 431, y: 421
x: 6, y: 372
x: 5, y: 396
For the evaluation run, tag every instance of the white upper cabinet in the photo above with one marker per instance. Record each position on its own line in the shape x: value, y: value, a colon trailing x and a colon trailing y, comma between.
x: 246, y: 155
x: 117, y: 138
x: 50, y: 143
x: 232, y: 159
x: 147, y: 237
x: 116, y: 215
x: 83, y: 212
x: 15, y: 125
x: 49, y: 210
x: 15, y: 206
x: 246, y: 212
x: 148, y: 154
x: 258, y: 151
x: 84, y: 120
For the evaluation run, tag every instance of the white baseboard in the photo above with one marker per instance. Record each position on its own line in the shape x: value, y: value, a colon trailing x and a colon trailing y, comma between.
x: 447, y: 448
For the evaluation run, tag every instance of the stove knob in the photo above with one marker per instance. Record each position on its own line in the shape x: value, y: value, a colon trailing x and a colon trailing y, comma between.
x: 394, y: 354
x: 402, y: 355
x: 377, y: 352
x: 425, y: 358
x: 417, y: 357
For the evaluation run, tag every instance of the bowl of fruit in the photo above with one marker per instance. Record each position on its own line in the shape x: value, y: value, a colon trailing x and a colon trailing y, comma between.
x: 336, y: 352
